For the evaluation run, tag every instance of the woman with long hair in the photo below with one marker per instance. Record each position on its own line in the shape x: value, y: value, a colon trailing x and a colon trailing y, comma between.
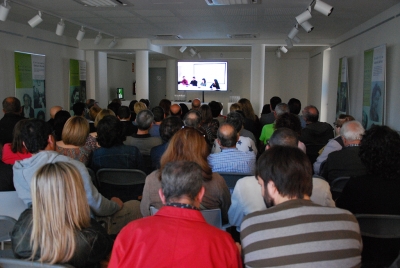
x: 252, y: 123
x: 58, y: 228
x: 16, y: 150
x: 188, y: 145
x: 208, y: 123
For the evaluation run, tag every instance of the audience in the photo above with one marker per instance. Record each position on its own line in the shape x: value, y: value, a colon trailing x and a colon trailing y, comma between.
x: 93, y: 112
x: 315, y: 132
x: 12, y: 114
x: 216, y: 108
x: 184, y: 110
x: 79, y: 109
x: 268, y: 129
x: 53, y: 111
x: 99, y: 116
x: 196, y: 103
x: 131, y: 108
x: 59, y: 121
x: 165, y: 104
x: 290, y: 121
x: 159, y: 115
x: 16, y: 150
x: 175, y: 110
x: 147, y: 242
x: 251, y: 123
x: 208, y: 123
x: 58, y: 228
x: 124, y: 115
x: 114, y: 105
x: 270, y: 117
x: 295, y: 108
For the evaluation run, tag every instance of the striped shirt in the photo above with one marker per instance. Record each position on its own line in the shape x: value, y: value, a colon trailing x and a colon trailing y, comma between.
x: 232, y: 160
x: 299, y: 233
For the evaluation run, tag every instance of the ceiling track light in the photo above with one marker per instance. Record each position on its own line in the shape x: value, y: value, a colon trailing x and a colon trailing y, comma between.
x: 182, y: 49
x: 278, y: 54
x: 323, y: 8
x: 306, y: 15
x: 198, y: 55
x: 112, y: 43
x: 81, y: 34
x: 294, y: 31
x: 307, y: 26
x: 4, y: 9
x: 289, y: 43
x: 98, y: 39
x: 296, y: 40
x: 36, y: 20
x: 60, y: 28
x: 283, y: 49
x: 192, y: 52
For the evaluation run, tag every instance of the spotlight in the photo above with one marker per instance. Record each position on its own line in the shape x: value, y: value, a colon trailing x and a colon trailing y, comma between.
x: 278, y: 54
x: 98, y: 39
x: 289, y: 43
x: 112, y: 43
x: 182, y: 49
x: 198, y: 55
x: 323, y: 8
x: 306, y: 15
x: 60, y: 28
x: 35, y: 20
x: 4, y: 9
x: 283, y: 49
x: 293, y: 31
x: 192, y: 52
x: 80, y: 34
x: 296, y: 39
x: 307, y: 26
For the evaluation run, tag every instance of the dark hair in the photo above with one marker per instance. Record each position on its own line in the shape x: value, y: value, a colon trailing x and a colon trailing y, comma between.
x: 294, y: 106
x: 379, y: 151
x: 132, y: 104
x: 17, y: 146
x: 216, y: 108
x: 110, y: 132
x: 124, y: 112
x: 290, y: 121
x: 114, y: 106
x: 169, y: 126
x: 11, y: 105
x: 216, y: 83
x: 290, y: 170
x: 192, y: 119
x: 41, y: 115
x: 284, y: 137
x: 145, y: 101
x: 310, y: 116
x: 236, y: 120
x: 90, y: 103
x: 158, y: 113
x: 144, y: 119
x: 266, y: 109
x: 229, y: 139
x: 165, y: 104
x: 76, y: 90
x: 184, y: 109
x: 29, y: 97
x: 35, y: 134
x: 181, y: 179
x: 274, y: 101
x: 78, y: 108
x: 59, y: 121
x: 206, y: 115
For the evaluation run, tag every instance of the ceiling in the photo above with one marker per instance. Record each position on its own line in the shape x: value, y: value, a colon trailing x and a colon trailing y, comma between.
x: 198, y: 23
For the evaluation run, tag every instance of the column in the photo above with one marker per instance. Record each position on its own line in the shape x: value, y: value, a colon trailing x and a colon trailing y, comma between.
x: 171, y: 79
x: 324, y: 110
x: 97, y: 84
x: 142, y: 74
x: 257, y: 77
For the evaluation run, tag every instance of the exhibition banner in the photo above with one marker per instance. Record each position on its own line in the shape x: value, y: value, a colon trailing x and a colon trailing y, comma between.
x: 374, y: 91
x: 30, y: 86
x: 77, y: 82
x: 342, y: 101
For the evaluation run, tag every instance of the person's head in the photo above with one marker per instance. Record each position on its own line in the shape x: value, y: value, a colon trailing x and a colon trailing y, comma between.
x: 247, y: 109
x: 165, y: 104
x: 310, y: 114
x: 182, y: 180
x: 283, y: 137
x: 284, y: 172
x: 175, y: 110
x: 124, y: 113
x: 203, y: 80
x: 184, y: 109
x: 75, y: 96
x: 216, y: 108
x: 54, y: 110
x: 181, y: 147
x: 93, y: 111
x: 169, y: 126
x: 139, y: 106
x: 17, y: 145
x: 131, y: 105
x: 266, y: 109
x: 144, y: 119
x: 216, y: 83
x: 114, y: 106
x: 79, y: 108
x: 343, y: 118
x: 59, y: 206
x: 352, y: 132
x: 196, y: 103
x: 379, y: 151
x: 36, y: 135
x: 59, y: 121
x: 294, y: 106
x: 158, y: 113
x: 40, y: 115
x: 90, y: 103
x: 280, y: 109
x: 27, y: 100
x: 75, y: 131
x: 194, y: 78
x: 206, y: 115
x: 236, y: 120
x: 101, y: 115
x: 110, y: 132
x: 11, y: 105
x: 235, y: 107
x: 117, y: 100
x: 227, y: 136
x: 192, y: 119
x: 375, y: 96
x: 289, y: 120
x: 146, y: 102
x: 274, y: 101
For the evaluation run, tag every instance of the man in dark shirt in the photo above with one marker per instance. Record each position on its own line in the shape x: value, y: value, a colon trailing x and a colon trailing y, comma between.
x: 12, y: 114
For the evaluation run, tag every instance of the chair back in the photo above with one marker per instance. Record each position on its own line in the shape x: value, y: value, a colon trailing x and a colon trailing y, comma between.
x: 379, y: 226
x: 16, y: 263
x: 337, y: 186
x: 11, y: 205
x: 6, y: 226
x: 232, y: 178
x: 127, y: 184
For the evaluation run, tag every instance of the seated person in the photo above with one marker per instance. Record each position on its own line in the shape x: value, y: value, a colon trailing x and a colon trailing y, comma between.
x: 124, y: 115
x: 59, y: 206
x: 16, y: 150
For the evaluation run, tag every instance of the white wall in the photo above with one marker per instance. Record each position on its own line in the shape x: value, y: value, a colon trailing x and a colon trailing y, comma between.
x: 119, y: 74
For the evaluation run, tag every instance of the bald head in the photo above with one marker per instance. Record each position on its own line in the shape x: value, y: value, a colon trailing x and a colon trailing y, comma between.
x: 196, y: 103
x: 227, y: 136
x: 11, y: 105
x: 310, y: 114
x: 175, y: 110
x: 54, y: 110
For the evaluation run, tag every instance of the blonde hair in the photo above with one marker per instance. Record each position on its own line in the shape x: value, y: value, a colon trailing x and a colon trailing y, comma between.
x: 59, y: 209
x: 139, y: 106
x: 235, y: 107
x: 75, y: 131
x: 93, y: 111
x: 247, y: 109
x: 101, y: 114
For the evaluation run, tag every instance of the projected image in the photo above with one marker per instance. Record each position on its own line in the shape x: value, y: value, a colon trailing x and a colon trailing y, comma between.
x: 207, y: 76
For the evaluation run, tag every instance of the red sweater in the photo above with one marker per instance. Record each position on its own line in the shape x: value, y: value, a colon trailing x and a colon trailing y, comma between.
x: 9, y: 157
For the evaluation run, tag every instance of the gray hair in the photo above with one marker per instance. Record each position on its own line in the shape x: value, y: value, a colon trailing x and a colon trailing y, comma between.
x: 352, y: 130
x: 144, y: 119
x: 181, y: 178
x: 281, y: 108
x: 192, y: 119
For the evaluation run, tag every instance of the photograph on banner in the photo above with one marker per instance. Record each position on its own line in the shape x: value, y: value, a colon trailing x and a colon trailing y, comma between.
x: 374, y: 87
x: 25, y: 95
x: 342, y: 101
x: 77, y: 82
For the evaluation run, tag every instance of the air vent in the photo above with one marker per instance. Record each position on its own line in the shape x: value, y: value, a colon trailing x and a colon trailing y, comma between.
x: 168, y: 36
x: 103, y: 3
x: 242, y: 36
x: 231, y: 2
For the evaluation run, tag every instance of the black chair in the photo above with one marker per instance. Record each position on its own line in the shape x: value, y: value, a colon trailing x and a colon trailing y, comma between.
x: 15, y: 263
x: 381, y: 239
x: 127, y: 184
x: 337, y: 186
x: 232, y: 178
